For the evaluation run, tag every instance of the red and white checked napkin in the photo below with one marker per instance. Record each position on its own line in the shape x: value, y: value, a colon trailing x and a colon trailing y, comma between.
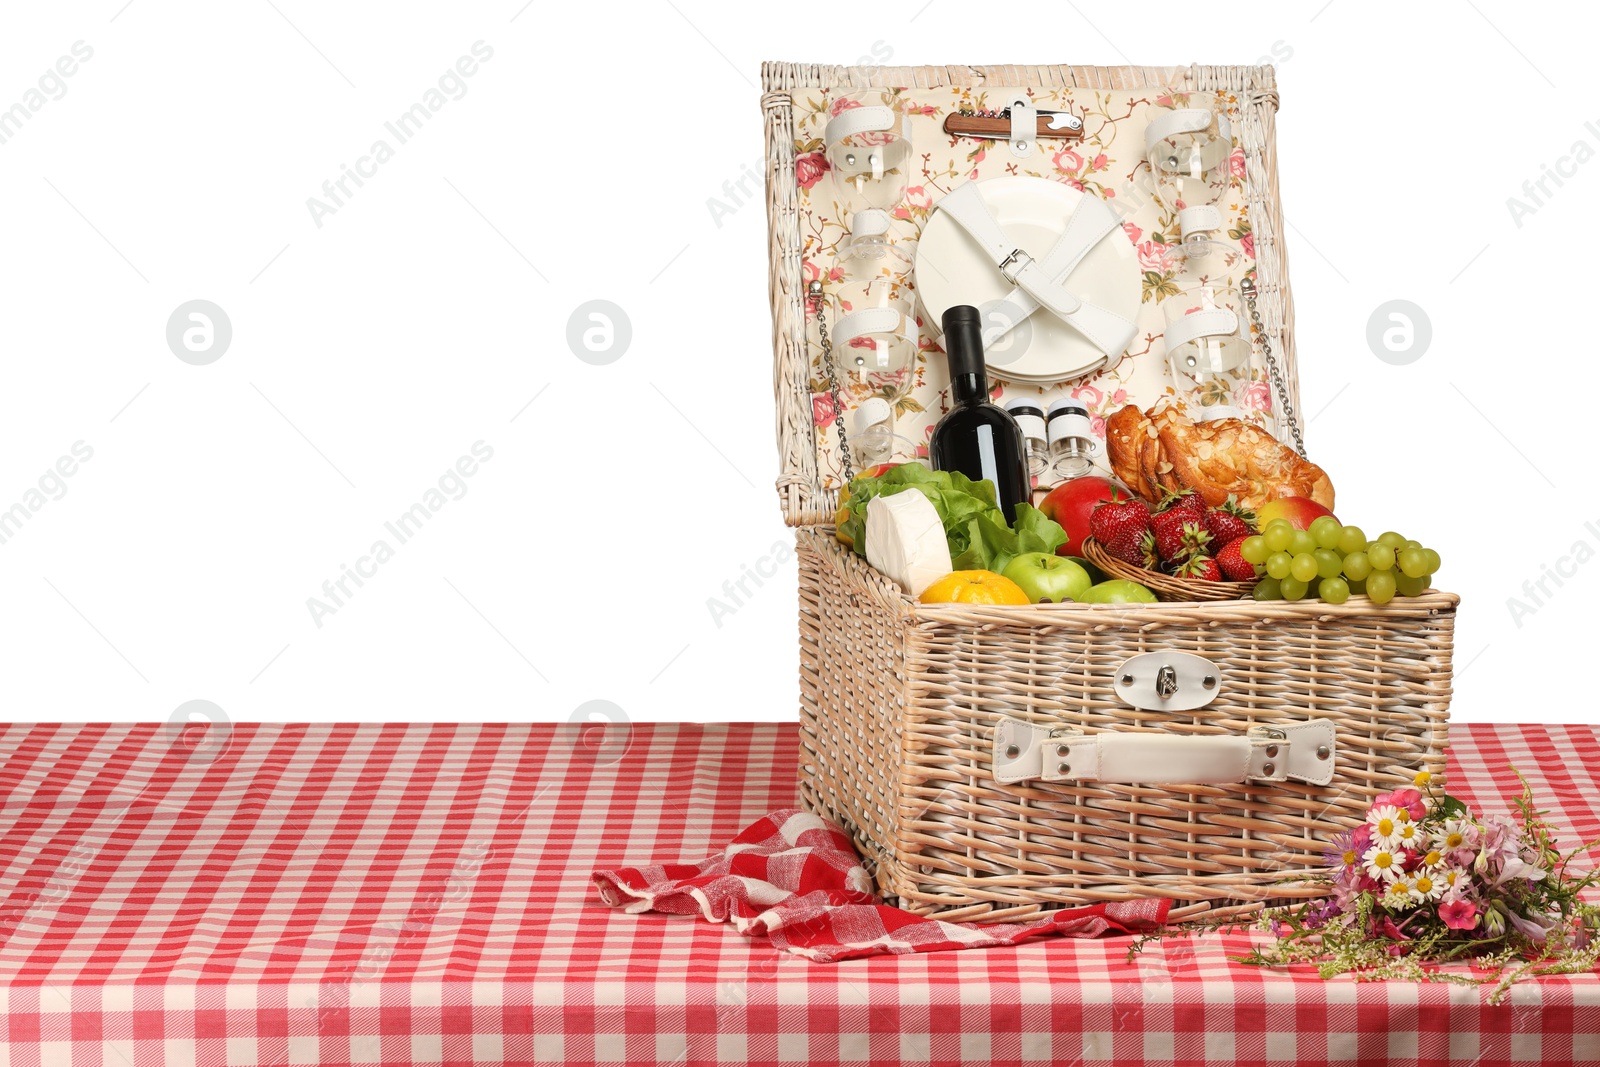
x: 797, y: 878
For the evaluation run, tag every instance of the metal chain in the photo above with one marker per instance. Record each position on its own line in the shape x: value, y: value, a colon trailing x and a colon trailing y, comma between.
x: 833, y: 379
x: 1273, y: 370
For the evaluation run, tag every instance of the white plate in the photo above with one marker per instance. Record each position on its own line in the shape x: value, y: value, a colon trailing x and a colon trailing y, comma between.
x: 952, y: 269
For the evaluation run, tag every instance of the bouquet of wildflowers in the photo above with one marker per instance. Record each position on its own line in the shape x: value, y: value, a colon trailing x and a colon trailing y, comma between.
x: 1423, y: 882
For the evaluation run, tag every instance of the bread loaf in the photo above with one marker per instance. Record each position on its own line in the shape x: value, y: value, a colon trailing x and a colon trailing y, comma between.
x: 1155, y: 452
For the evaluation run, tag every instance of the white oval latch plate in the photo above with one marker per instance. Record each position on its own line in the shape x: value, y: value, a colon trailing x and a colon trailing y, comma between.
x: 1167, y: 681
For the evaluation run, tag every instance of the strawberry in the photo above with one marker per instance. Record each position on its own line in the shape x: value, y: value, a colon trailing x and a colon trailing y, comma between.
x: 1199, y: 566
x: 1233, y: 565
x: 1149, y: 559
x: 1119, y: 527
x: 1229, y: 521
x: 1184, y: 500
x: 1179, y: 534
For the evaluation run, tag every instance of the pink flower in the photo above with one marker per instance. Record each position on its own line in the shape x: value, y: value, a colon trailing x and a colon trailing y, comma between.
x: 1363, y: 837
x: 1248, y: 243
x: 1236, y: 163
x: 1253, y: 396
x: 1110, y: 193
x: 1133, y: 232
x: 822, y: 412
x: 809, y: 269
x: 1394, y: 933
x: 1068, y: 162
x: 1531, y: 927
x: 1097, y: 426
x: 809, y: 169
x: 1119, y: 398
x: 1459, y: 914
x: 841, y: 105
x: 1409, y: 799
x: 1097, y: 163
x: 1155, y: 256
x: 917, y: 201
x: 1089, y: 396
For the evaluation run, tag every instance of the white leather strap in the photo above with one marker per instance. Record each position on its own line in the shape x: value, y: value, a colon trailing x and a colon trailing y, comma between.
x: 1179, y: 120
x: 1147, y: 759
x: 871, y: 321
x: 967, y: 208
x: 1091, y: 222
x: 1043, y: 284
x: 1302, y: 752
x: 1212, y: 322
x: 1202, y: 218
x: 869, y: 222
x: 1024, y: 128
x: 856, y: 120
x: 1214, y: 412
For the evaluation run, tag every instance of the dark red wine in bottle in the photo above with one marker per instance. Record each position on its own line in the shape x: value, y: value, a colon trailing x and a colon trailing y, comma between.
x: 978, y: 438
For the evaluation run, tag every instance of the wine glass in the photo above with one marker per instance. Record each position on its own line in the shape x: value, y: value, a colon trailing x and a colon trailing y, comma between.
x: 1189, y: 145
x: 869, y: 154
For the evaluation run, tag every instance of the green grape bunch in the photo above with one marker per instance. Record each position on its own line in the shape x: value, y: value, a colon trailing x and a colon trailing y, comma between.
x: 1331, y: 562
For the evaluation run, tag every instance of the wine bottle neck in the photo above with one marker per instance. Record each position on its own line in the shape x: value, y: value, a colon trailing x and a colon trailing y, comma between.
x: 970, y: 388
x: 963, y: 344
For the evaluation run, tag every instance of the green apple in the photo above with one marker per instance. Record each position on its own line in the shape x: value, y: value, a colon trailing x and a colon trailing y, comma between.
x: 1118, y: 591
x: 1048, y: 578
x: 1096, y: 575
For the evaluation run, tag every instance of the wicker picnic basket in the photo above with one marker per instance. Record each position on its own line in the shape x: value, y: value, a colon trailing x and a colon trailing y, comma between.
x: 950, y: 740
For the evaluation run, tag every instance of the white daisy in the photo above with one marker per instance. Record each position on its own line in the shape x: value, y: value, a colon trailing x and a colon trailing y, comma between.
x: 1433, y: 858
x: 1454, y: 835
x: 1427, y: 887
x: 1455, y: 880
x: 1401, y: 894
x: 1381, y: 863
x: 1386, y: 823
x: 1410, y: 835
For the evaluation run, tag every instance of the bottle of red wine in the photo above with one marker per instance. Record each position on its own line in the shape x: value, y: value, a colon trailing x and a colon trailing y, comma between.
x: 978, y: 438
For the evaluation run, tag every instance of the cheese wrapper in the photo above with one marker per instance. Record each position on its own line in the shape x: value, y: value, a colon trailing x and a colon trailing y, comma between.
x: 906, y: 540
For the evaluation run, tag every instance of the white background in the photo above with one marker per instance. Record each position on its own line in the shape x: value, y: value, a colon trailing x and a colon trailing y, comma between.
x: 371, y: 352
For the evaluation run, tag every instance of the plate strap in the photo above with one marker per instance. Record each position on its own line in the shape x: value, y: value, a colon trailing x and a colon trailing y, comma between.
x: 1043, y: 283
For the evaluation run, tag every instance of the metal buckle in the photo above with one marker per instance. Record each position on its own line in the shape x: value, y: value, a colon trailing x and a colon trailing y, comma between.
x: 1022, y: 261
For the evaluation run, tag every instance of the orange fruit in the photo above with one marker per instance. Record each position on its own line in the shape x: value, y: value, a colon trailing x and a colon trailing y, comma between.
x: 974, y: 587
x: 842, y: 516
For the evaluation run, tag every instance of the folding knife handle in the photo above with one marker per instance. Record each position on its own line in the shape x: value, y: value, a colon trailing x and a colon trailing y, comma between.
x: 997, y: 129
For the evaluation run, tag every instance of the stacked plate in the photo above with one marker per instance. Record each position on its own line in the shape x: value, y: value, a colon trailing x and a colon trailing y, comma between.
x: 952, y: 268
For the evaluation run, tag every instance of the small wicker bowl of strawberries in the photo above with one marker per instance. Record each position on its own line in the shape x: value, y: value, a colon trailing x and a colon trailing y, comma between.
x: 1181, y: 551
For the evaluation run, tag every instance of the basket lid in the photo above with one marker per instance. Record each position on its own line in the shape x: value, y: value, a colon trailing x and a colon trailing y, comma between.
x: 795, y: 95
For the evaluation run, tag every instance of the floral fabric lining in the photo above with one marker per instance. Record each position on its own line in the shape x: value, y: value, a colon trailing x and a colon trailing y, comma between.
x: 1108, y: 162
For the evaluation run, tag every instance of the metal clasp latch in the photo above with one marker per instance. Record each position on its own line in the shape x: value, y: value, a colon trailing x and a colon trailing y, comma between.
x: 1169, y: 681
x: 1020, y: 258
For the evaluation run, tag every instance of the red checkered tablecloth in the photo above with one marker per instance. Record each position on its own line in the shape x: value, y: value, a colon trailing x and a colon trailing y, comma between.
x: 398, y: 894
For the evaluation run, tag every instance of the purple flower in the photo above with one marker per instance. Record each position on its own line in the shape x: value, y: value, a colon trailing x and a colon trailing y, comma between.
x: 1321, y: 911
x: 1342, y: 851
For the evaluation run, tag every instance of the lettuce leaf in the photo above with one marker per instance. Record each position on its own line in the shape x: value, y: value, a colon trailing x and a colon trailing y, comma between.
x: 974, y: 525
x: 991, y: 545
x: 957, y: 498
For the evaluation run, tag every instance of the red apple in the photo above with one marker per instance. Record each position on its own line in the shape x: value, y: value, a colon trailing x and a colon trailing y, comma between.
x: 1070, y: 503
x: 1299, y: 511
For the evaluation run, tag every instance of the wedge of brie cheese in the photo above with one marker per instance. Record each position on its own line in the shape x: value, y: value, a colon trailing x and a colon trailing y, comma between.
x: 905, y: 540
